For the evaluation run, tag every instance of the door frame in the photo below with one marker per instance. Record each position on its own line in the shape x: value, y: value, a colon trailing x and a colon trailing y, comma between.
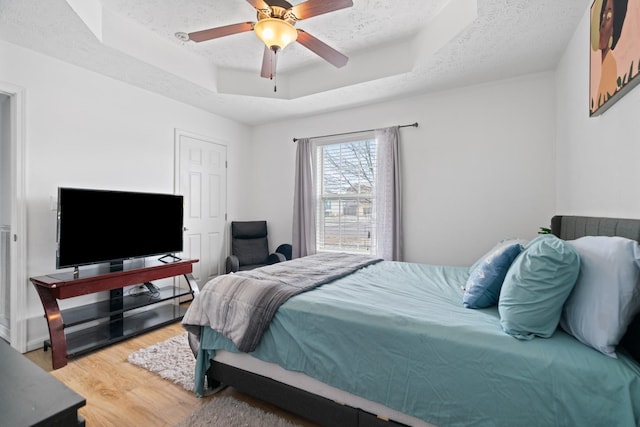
x: 18, y: 244
x: 178, y: 133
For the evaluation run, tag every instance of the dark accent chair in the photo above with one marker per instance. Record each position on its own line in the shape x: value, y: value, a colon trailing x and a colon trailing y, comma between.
x: 250, y: 248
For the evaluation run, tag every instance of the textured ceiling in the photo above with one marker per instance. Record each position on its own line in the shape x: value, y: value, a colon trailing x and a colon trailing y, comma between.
x: 395, y: 49
x: 367, y: 24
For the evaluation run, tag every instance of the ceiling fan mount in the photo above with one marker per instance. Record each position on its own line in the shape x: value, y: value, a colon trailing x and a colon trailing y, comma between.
x: 279, y: 9
x: 275, y: 26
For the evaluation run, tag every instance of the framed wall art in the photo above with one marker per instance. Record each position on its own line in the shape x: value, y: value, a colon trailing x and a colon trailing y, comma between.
x: 615, y: 52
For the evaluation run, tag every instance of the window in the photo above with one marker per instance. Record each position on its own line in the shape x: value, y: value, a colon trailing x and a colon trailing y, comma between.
x: 346, y: 195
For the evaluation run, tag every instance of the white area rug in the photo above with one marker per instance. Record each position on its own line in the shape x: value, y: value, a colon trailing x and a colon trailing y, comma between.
x: 229, y: 412
x: 173, y: 360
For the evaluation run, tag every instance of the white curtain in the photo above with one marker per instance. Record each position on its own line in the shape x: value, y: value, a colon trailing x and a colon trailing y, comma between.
x: 388, y: 195
x: 304, y: 204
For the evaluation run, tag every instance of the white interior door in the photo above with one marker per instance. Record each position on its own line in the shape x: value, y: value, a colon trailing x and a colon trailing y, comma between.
x: 202, y: 180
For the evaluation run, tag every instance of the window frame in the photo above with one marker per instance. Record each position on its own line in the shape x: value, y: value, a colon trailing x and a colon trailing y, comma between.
x: 319, y: 197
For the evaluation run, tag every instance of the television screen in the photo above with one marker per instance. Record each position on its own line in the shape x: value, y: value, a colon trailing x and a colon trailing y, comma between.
x: 96, y: 226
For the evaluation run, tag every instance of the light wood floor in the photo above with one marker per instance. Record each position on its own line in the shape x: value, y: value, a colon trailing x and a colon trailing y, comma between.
x: 120, y: 394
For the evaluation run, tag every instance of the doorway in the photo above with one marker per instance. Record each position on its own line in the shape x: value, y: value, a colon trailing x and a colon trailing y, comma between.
x: 13, y: 236
x: 201, y: 177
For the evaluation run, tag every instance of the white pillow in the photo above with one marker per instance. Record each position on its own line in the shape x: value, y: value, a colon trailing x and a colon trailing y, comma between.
x: 606, y: 296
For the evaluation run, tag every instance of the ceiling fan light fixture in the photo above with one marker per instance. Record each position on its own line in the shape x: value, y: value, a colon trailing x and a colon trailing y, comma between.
x: 275, y: 33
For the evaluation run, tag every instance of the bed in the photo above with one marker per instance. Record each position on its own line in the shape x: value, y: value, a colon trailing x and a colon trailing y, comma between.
x: 392, y: 344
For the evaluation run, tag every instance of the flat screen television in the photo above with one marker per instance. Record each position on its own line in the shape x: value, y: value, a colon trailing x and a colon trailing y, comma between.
x: 100, y: 226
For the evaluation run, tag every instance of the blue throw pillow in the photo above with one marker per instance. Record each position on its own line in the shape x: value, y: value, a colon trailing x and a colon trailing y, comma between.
x: 500, y: 245
x: 483, y: 286
x: 537, y: 286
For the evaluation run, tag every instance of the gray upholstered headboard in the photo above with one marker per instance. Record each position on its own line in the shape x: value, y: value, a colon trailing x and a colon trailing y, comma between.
x: 572, y: 227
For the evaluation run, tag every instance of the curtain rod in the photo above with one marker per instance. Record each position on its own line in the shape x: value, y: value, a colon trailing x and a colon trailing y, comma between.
x: 415, y: 125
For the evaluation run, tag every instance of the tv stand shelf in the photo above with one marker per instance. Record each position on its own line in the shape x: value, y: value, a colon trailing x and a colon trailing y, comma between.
x: 84, y: 328
x: 101, y: 309
x: 101, y: 335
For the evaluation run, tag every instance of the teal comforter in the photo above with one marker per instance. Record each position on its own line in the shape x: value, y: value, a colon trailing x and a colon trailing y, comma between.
x: 397, y: 334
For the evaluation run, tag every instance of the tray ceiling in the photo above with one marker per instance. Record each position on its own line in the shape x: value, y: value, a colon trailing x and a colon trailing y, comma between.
x: 395, y: 49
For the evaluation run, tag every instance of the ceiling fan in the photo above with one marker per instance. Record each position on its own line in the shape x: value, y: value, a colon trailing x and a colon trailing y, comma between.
x: 275, y: 27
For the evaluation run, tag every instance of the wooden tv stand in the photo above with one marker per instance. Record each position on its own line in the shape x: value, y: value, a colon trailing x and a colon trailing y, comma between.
x: 121, y: 316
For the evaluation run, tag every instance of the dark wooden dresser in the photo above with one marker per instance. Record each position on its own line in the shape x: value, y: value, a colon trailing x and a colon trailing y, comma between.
x: 30, y: 396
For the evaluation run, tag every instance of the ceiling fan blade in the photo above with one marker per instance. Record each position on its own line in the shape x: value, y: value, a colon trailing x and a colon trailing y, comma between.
x: 268, y: 64
x: 258, y: 4
x: 322, y: 49
x: 317, y: 7
x: 214, y: 33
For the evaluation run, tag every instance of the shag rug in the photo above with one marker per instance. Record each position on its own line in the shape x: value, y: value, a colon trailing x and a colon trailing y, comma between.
x: 229, y: 412
x: 173, y: 360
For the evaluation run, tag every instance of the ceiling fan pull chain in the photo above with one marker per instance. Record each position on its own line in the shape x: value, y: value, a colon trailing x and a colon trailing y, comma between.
x: 274, y: 62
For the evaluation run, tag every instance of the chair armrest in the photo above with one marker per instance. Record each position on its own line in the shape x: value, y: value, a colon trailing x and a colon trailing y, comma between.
x: 232, y: 264
x: 285, y: 249
x: 275, y: 258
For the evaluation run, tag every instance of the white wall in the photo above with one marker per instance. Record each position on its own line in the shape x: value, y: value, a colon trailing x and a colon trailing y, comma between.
x: 478, y: 169
x: 87, y: 130
x: 597, y: 157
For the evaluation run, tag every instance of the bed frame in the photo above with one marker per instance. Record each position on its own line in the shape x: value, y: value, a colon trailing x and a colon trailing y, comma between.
x: 572, y: 227
x: 307, y: 405
x: 329, y: 413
